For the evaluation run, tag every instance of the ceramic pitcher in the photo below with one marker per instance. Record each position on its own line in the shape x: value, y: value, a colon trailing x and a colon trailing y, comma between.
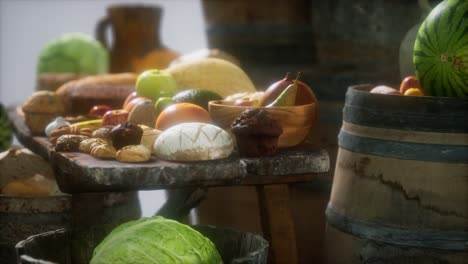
x: 135, y: 33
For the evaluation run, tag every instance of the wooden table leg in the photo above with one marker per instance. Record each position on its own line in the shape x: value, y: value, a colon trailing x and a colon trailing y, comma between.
x: 277, y: 223
x: 181, y: 201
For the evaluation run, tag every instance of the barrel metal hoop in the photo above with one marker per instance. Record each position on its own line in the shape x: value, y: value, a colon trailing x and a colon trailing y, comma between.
x: 424, y: 238
x: 405, y: 135
x: 446, y: 107
x: 403, y: 150
x: 411, y: 121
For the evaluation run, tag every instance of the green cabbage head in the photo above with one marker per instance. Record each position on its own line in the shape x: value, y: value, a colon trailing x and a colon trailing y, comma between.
x: 73, y: 53
x: 155, y: 240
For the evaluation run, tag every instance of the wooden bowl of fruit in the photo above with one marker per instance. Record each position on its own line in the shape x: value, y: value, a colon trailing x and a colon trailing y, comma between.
x: 297, y: 120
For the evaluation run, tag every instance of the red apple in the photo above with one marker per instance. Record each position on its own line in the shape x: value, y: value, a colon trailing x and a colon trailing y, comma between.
x: 130, y: 105
x: 129, y: 98
x: 409, y: 82
x: 304, y: 95
x: 114, y: 117
x: 99, y: 110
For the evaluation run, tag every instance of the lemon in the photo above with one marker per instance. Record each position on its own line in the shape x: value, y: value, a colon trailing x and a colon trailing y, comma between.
x: 200, y: 97
x: 414, y: 92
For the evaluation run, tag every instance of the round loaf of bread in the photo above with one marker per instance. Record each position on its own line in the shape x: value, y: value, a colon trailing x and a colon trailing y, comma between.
x: 193, y: 141
x: 81, y: 95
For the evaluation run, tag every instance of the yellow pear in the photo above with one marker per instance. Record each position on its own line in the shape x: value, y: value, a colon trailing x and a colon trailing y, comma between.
x: 288, y: 96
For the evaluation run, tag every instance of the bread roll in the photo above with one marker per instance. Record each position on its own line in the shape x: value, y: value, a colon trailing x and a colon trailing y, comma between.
x: 103, y: 151
x: 149, y: 136
x: 109, y: 89
x: 193, y: 141
x: 41, y: 108
x: 133, y: 153
x: 36, y: 185
x: 20, y: 163
x: 87, y: 144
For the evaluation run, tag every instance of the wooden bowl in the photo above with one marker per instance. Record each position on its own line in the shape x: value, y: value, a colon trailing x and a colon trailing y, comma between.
x: 296, y: 121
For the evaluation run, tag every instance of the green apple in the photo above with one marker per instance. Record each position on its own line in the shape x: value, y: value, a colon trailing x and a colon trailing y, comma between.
x: 162, y: 103
x: 154, y: 84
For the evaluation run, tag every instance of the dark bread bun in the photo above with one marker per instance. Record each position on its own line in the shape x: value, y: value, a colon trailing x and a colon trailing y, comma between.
x: 257, y: 133
x: 126, y: 134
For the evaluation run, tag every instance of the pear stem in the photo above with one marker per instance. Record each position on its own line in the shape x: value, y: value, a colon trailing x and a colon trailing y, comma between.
x: 298, y: 75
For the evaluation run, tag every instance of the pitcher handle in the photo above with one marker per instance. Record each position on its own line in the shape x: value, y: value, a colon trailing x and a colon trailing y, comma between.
x: 101, y: 31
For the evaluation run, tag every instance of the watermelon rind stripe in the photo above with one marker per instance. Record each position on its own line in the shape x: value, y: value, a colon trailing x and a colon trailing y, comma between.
x: 432, y: 30
x: 450, y: 77
x: 458, y: 80
x: 464, y: 52
x: 431, y: 86
x: 440, y: 82
x: 452, y: 83
x: 430, y: 44
x: 456, y: 39
x: 422, y: 74
x: 462, y: 39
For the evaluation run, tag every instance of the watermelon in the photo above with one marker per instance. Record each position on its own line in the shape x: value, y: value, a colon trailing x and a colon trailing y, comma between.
x: 6, y: 134
x: 441, y: 50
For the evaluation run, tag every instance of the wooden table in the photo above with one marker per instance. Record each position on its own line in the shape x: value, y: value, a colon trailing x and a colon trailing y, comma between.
x: 81, y: 173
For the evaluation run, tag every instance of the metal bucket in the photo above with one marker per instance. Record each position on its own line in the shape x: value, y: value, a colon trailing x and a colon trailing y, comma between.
x: 21, y: 217
x: 233, y: 246
x: 91, y: 216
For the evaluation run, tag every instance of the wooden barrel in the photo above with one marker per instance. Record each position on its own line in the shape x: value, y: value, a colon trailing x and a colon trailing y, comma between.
x: 233, y: 246
x: 400, y: 189
x: 21, y: 217
x: 94, y: 215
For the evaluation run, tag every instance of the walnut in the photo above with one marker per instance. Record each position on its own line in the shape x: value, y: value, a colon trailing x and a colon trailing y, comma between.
x: 68, y: 130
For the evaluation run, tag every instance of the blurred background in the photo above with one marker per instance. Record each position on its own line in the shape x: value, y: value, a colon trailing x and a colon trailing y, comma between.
x: 334, y: 43
x: 27, y: 25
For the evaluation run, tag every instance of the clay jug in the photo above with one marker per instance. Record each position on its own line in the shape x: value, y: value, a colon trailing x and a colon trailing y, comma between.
x: 135, y: 32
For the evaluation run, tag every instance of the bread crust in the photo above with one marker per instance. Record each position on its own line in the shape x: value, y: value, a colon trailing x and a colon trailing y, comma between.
x: 110, y: 89
x: 133, y: 153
